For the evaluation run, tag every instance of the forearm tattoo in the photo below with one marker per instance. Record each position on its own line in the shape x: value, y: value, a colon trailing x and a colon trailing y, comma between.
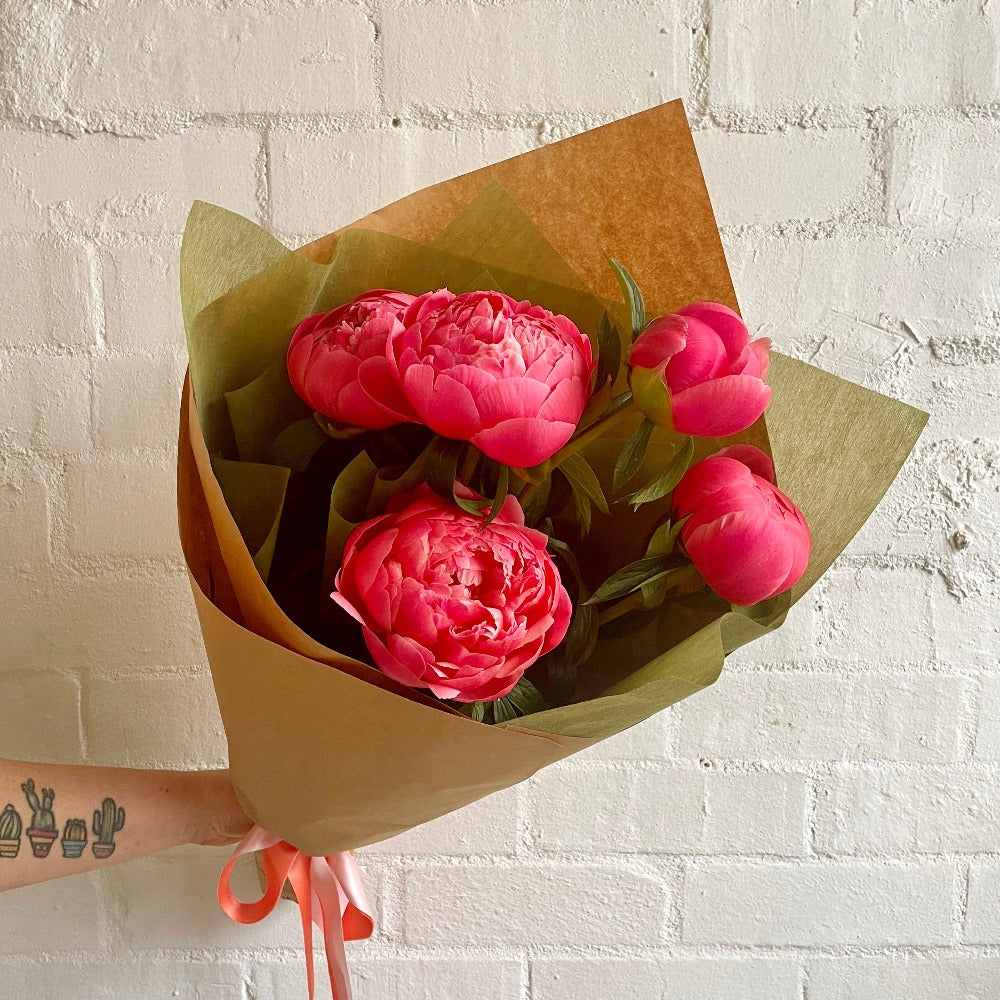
x: 42, y: 830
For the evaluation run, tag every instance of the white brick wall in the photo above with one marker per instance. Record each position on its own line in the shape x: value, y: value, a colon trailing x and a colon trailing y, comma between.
x: 823, y: 823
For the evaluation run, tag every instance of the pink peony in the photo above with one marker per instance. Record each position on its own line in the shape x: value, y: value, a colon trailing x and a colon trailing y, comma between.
x: 337, y: 361
x: 748, y: 540
x: 449, y: 604
x: 698, y: 372
x: 510, y: 377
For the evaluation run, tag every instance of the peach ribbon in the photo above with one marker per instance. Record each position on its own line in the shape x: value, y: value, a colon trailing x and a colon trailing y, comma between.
x: 329, y: 891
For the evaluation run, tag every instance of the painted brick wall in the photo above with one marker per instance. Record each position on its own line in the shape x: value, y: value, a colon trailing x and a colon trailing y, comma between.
x: 824, y: 823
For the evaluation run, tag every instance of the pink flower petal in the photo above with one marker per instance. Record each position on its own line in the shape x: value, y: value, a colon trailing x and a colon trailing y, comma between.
x: 444, y: 404
x: 664, y: 338
x: 380, y: 382
x: 742, y: 558
x: 524, y: 441
x: 724, y: 321
x: 721, y: 407
x: 512, y: 397
x: 703, y: 358
x: 757, y: 461
x: 567, y: 401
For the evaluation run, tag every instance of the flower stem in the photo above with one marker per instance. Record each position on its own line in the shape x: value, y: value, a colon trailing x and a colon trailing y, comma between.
x: 524, y: 498
x: 678, y: 578
x: 631, y: 603
x: 469, y: 463
x: 593, y: 432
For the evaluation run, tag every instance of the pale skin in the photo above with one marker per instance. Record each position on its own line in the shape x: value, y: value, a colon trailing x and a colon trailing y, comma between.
x: 122, y: 813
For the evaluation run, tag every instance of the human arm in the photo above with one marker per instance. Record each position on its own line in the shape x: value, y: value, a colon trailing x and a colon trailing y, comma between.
x: 62, y: 819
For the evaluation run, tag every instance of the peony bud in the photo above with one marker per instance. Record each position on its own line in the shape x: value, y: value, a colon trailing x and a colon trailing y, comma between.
x: 747, y: 539
x: 698, y: 372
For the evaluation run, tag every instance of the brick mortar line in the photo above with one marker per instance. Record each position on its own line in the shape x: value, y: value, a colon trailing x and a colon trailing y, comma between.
x: 393, y: 951
x: 151, y: 126
x: 650, y: 864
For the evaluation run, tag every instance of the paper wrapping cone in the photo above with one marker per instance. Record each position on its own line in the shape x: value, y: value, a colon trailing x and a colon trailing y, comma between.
x: 329, y: 754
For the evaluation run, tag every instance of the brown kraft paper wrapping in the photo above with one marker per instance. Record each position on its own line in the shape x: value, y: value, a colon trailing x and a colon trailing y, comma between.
x: 329, y: 754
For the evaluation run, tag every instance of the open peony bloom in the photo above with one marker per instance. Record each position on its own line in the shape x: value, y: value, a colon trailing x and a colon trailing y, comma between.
x: 337, y: 361
x: 748, y: 540
x: 511, y: 377
x: 698, y: 372
x: 449, y: 604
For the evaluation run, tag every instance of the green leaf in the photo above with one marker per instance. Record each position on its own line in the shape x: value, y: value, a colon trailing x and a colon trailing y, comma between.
x: 582, y: 478
x: 584, y: 515
x: 631, y: 458
x: 561, y: 677
x: 596, y: 407
x: 667, y: 480
x: 524, y: 699
x: 629, y: 578
x: 609, y: 353
x: 665, y: 537
x: 655, y: 590
x: 477, y: 711
x: 565, y: 553
x: 633, y: 297
x: 581, y: 637
x: 586, y: 489
x: 471, y: 506
x: 478, y: 505
x: 440, y: 465
x: 503, y: 484
x: 537, y: 502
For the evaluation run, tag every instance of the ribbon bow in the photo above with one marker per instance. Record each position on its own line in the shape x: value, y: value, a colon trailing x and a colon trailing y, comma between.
x: 329, y: 891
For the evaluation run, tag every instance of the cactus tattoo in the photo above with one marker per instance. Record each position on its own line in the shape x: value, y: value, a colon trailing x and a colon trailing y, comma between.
x: 108, y: 820
x: 10, y: 832
x: 74, y: 838
x: 43, y: 831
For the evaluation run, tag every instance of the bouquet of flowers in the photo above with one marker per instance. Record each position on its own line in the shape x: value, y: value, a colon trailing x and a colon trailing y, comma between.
x: 483, y: 479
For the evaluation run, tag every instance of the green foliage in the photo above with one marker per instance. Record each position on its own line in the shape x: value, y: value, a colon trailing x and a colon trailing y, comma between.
x: 632, y: 456
x: 563, y: 663
x: 667, y: 481
x: 477, y: 711
x: 439, y: 465
x: 609, y: 353
x: 479, y: 506
x: 524, y: 699
x: 661, y: 544
x: 586, y: 489
x: 633, y: 297
x: 631, y: 577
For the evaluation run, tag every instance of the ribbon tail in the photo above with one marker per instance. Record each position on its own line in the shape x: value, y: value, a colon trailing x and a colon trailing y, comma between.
x: 300, y: 877
x: 329, y: 896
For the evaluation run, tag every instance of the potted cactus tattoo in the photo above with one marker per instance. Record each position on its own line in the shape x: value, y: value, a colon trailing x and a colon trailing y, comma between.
x: 10, y: 832
x: 74, y: 838
x: 43, y: 831
x: 108, y: 820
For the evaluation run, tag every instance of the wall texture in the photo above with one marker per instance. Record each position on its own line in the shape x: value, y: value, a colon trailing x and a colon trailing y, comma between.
x: 824, y: 823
